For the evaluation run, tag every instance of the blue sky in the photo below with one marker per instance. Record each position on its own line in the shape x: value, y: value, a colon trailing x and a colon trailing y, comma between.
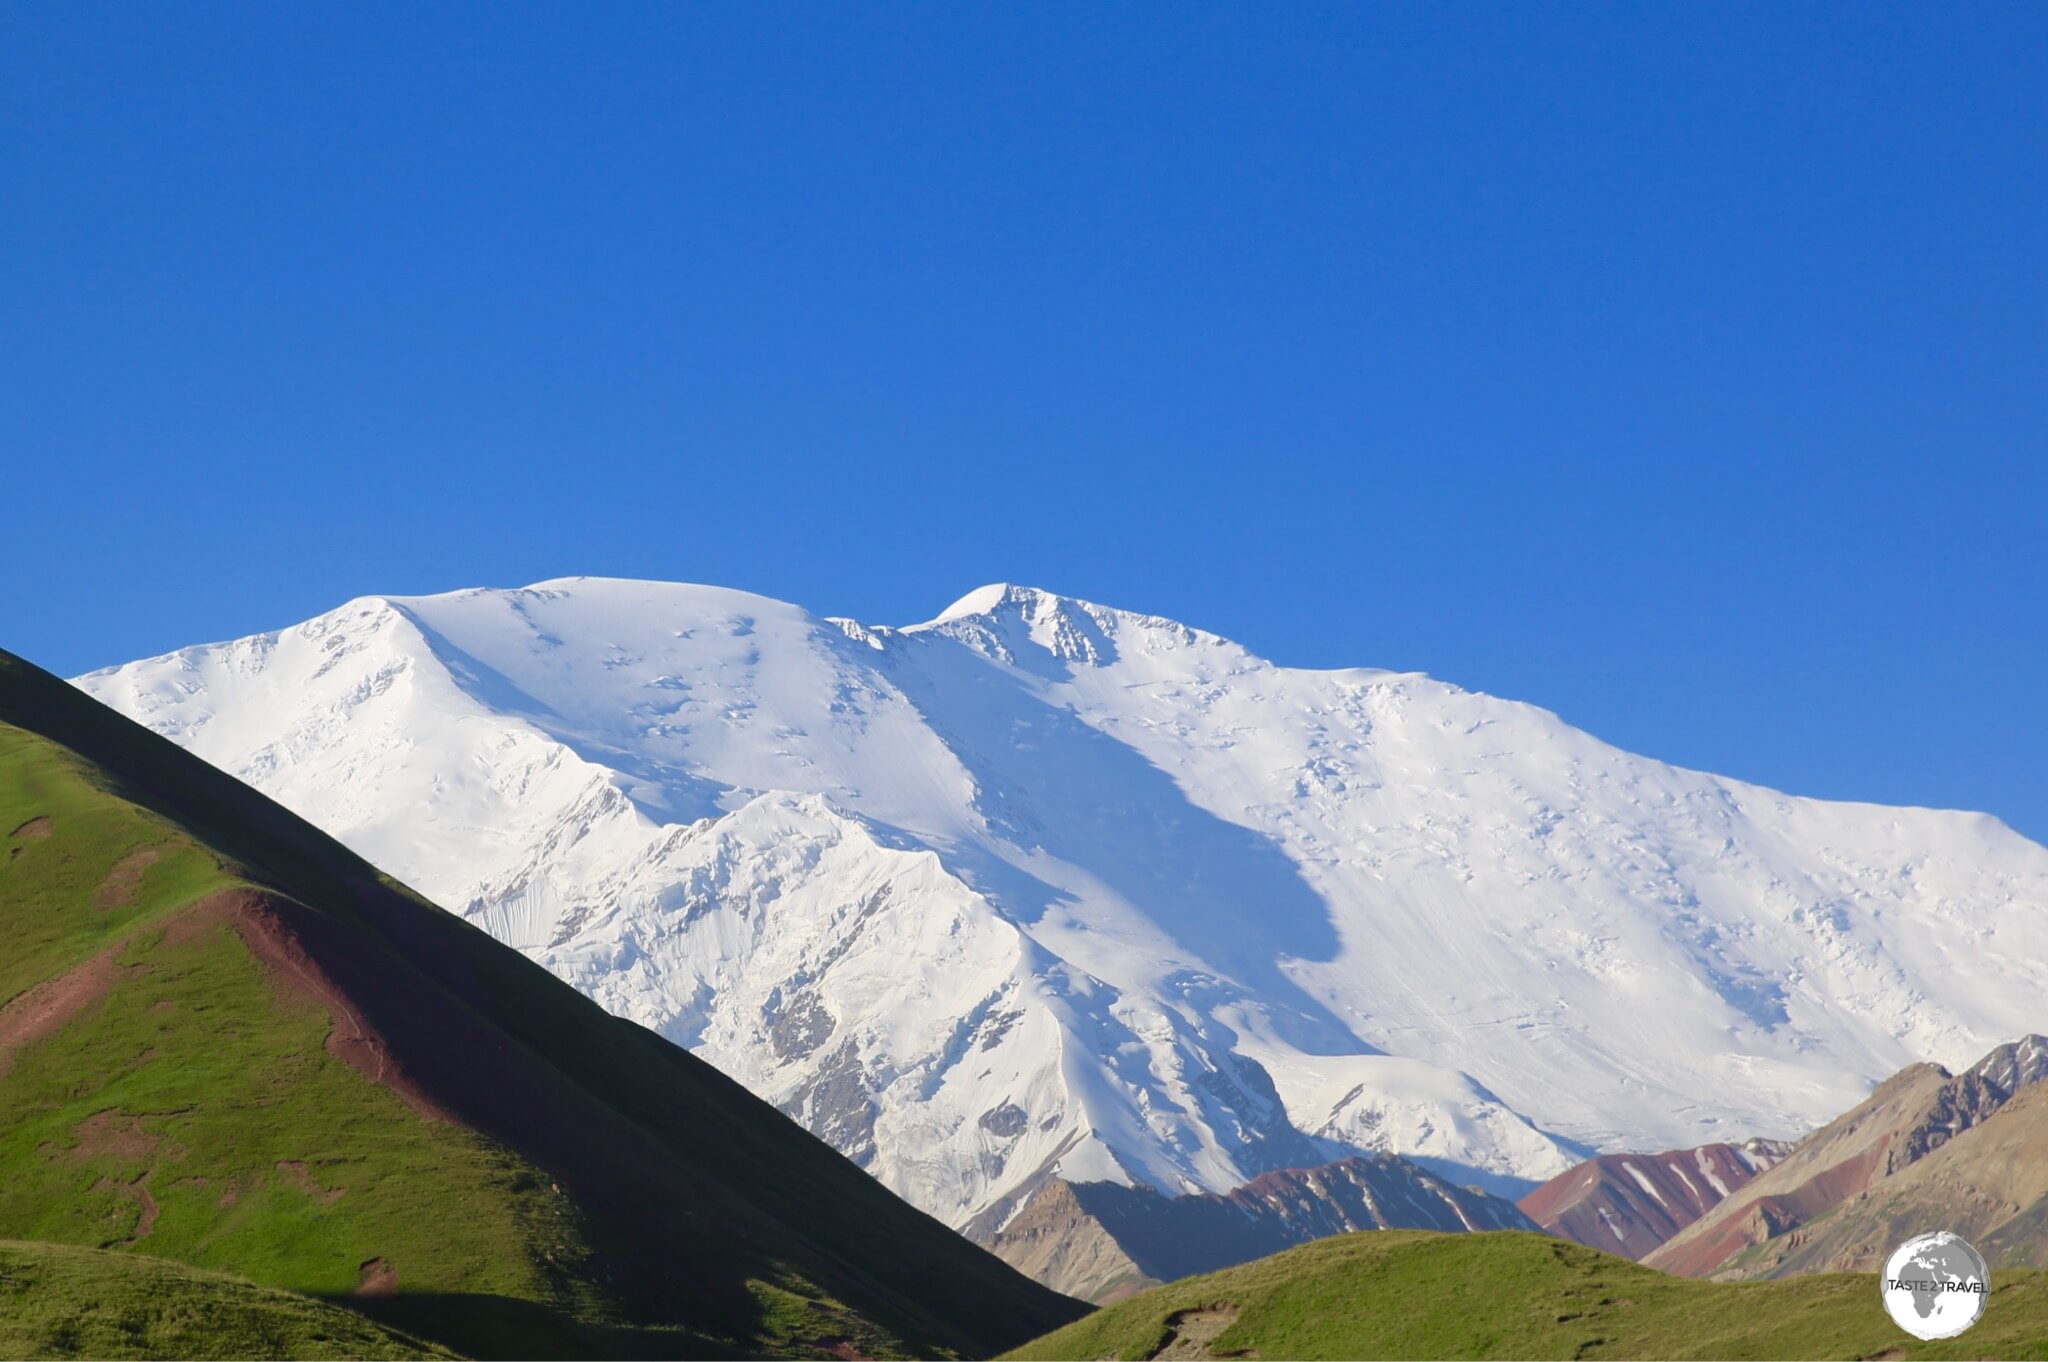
x: 1682, y: 369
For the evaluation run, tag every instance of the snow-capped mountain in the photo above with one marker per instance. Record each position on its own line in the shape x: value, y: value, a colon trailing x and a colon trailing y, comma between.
x: 1042, y: 888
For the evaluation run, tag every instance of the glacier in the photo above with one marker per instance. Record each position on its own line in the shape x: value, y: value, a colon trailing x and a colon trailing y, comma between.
x: 1039, y: 887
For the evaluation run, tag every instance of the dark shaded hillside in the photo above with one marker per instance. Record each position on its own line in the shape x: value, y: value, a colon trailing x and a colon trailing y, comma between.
x: 276, y: 1060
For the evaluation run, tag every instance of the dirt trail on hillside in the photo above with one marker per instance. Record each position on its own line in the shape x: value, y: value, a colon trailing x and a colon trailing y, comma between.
x: 35, y: 830
x: 1195, y: 1330
x: 146, y: 1207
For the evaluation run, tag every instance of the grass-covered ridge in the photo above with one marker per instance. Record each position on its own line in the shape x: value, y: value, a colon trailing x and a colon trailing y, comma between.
x: 188, y: 1108
x: 1407, y: 1293
x: 60, y: 1301
x: 226, y: 1040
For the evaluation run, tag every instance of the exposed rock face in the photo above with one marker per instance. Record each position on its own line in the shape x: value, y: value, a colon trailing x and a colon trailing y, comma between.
x: 1059, y: 1241
x: 1103, y: 1241
x: 1630, y: 1204
x: 1897, y: 1159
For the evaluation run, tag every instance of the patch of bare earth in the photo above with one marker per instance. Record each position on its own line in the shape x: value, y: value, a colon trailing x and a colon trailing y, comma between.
x: 1194, y: 1330
x: 113, y: 1132
x: 302, y: 1178
x: 39, y: 1011
x: 117, y: 890
x: 35, y: 830
x: 378, y: 1278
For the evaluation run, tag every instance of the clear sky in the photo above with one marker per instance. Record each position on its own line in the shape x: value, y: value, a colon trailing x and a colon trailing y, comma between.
x: 1683, y: 369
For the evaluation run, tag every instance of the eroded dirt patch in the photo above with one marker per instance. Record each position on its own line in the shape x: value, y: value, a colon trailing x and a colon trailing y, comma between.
x: 35, y: 830
x: 117, y: 890
x: 377, y: 1278
x: 38, y: 1012
x: 113, y: 1132
x: 138, y: 1192
x: 301, y: 1177
x: 1195, y: 1330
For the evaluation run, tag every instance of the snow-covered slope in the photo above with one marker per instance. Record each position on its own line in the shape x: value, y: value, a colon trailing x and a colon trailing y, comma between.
x: 1041, y: 887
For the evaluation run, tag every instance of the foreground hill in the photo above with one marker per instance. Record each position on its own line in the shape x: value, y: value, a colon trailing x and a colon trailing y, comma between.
x: 1179, y: 915
x: 1399, y: 1294
x: 1831, y: 1202
x: 1631, y: 1204
x: 227, y: 1041
x: 1100, y: 1241
x: 61, y: 1301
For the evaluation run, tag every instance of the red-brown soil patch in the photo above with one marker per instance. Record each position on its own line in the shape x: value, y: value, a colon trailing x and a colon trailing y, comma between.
x: 299, y: 1176
x: 117, y: 890
x: 113, y: 1132
x: 38, y: 1012
x: 378, y: 1279
x: 138, y: 1191
x: 191, y: 923
x: 35, y: 830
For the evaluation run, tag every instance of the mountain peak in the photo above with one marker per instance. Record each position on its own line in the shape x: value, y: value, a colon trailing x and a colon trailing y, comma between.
x: 990, y: 600
x: 1296, y: 894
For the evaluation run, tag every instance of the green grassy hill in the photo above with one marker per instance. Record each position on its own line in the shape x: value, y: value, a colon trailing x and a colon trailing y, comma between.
x: 1406, y: 1293
x: 60, y: 1301
x: 226, y: 1040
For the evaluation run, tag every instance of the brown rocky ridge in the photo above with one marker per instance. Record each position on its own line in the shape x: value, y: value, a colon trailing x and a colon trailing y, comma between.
x: 1820, y: 1206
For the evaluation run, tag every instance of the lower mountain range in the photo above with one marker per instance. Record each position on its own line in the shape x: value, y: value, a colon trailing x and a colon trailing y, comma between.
x: 1043, y: 892
x: 1101, y: 1241
x: 1928, y: 1150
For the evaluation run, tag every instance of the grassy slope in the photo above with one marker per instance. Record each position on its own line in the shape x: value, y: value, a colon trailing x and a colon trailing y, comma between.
x: 59, y: 1301
x: 195, y: 1073
x: 1407, y: 1293
x: 197, y: 1084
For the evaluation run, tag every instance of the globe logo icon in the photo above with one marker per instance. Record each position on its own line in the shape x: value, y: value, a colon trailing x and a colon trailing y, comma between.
x: 1935, y: 1285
